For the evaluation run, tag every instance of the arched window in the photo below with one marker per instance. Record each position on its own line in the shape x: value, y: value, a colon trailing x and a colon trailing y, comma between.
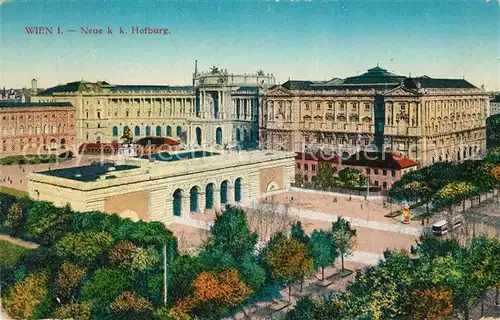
x: 198, y: 136
x: 126, y: 113
x: 98, y: 114
x: 126, y: 129
x: 223, y: 192
x: 115, y: 131
x: 46, y: 129
x: 237, y: 190
x: 158, y: 131
x: 30, y: 130
x: 54, y: 128
x: 209, y: 196
x: 193, y: 199
x: 21, y: 130
x: 86, y: 114
x: 179, y: 131
x: 238, y: 134
x: 137, y: 131
x: 169, y: 131
x: 218, y: 136
x: 148, y: 131
x: 177, y: 202
x: 37, y: 130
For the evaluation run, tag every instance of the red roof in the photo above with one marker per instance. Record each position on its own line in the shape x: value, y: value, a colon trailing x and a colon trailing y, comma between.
x: 95, y: 145
x: 365, y: 159
x: 402, y: 161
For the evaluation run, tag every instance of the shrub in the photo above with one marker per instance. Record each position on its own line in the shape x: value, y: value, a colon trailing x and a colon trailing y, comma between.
x: 83, y: 247
x: 26, y: 295
x: 46, y: 223
x: 76, y: 310
x: 105, y: 285
x: 70, y: 276
x: 122, y: 252
x: 14, y: 219
x: 130, y: 306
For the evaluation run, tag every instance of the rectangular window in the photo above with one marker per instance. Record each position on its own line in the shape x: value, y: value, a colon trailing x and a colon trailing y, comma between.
x: 298, y: 165
x: 384, y: 172
x: 376, y: 183
x: 376, y: 171
x: 318, y: 106
x: 307, y: 106
x: 393, y: 173
x: 306, y: 166
x: 330, y: 106
x: 313, y: 167
x: 368, y: 171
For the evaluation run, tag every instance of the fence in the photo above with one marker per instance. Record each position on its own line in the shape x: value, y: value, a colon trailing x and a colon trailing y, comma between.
x: 373, y: 191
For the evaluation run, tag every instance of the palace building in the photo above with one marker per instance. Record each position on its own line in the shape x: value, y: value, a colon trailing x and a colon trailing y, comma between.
x: 219, y: 108
x: 425, y: 119
x: 31, y: 128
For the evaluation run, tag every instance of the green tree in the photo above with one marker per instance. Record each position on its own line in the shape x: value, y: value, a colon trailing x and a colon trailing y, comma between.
x: 343, y: 237
x: 324, y: 175
x: 351, y: 178
x: 289, y: 260
x: 83, y: 248
x: 493, y: 131
x: 298, y: 232
x: 46, y: 223
x: 323, y: 250
x: 26, y: 296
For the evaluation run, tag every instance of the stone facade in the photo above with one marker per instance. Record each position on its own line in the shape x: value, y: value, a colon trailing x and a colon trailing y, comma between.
x: 495, y: 105
x: 36, y: 128
x: 158, y: 190
x: 424, y: 119
x: 218, y: 109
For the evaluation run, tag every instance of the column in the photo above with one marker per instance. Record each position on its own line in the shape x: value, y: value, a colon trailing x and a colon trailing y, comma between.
x: 160, y: 206
x: 185, y: 206
x: 217, y: 205
x: 201, y: 202
x: 230, y: 194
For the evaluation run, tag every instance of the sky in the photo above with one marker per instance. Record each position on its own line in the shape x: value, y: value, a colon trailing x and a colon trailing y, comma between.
x: 302, y: 40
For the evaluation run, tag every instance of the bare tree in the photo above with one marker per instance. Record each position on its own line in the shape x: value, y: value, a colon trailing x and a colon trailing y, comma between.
x: 267, y: 218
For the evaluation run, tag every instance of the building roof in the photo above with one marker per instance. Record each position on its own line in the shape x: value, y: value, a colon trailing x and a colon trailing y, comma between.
x: 18, y: 104
x: 428, y: 82
x: 135, y: 88
x: 297, y: 85
x: 157, y: 141
x: 496, y: 99
x: 374, y: 159
x: 375, y: 75
x: 88, y: 173
x: 248, y: 89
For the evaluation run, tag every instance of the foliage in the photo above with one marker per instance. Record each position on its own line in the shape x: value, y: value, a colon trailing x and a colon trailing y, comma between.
x: 454, y: 193
x: 215, y: 294
x: 83, y: 247
x: 323, y: 250
x: 10, y: 253
x: 289, y: 260
x: 75, y: 310
x: 45, y: 223
x: 181, y: 276
x: 26, y: 295
x: 70, y: 276
x: 432, y: 303
x: 324, y: 175
x: 14, y: 219
x: 351, y: 178
x: 122, y: 252
x: 343, y: 237
x: 493, y: 131
x: 298, y: 233
x: 131, y: 306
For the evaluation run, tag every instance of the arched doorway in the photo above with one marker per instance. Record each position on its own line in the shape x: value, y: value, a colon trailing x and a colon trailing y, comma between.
x: 137, y: 131
x: 218, y: 136
x: 179, y: 131
x: 98, y: 139
x: 148, y: 131
x: 223, y: 192
x: 177, y: 202
x: 193, y: 199
x: 209, y: 196
x: 115, y: 131
x: 198, y: 136
x: 158, y: 131
x: 238, y: 135
x: 169, y: 131
x: 237, y: 190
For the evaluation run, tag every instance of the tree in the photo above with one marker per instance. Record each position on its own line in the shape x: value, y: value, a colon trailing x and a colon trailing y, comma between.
x: 351, y: 178
x: 493, y: 131
x: 289, y: 260
x: 298, y: 232
x: 324, y: 175
x: 68, y: 279
x: 432, y: 303
x: 131, y: 306
x: 215, y: 294
x: 452, y: 194
x: 26, y: 296
x: 181, y: 275
x: 46, y: 223
x: 343, y: 238
x: 83, y: 247
x: 323, y: 250
x: 266, y: 218
x: 75, y: 310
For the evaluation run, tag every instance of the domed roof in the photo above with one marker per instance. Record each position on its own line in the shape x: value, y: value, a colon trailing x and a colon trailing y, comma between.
x: 375, y: 75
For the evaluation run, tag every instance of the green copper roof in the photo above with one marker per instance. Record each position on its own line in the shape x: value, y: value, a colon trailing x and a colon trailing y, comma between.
x: 68, y: 87
x: 375, y: 75
x: 433, y: 83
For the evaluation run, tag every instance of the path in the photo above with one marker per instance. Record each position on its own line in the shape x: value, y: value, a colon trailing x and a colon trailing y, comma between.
x: 356, y: 256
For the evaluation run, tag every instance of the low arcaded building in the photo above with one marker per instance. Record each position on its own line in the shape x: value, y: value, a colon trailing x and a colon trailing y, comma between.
x: 152, y: 145
x: 173, y: 184
x: 36, y: 127
x: 383, y: 169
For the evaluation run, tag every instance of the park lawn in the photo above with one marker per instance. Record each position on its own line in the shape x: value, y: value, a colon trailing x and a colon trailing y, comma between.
x: 10, y: 253
x: 13, y: 192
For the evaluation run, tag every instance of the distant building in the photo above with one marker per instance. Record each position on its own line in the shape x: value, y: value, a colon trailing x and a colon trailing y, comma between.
x: 20, y: 95
x: 495, y: 105
x: 424, y: 119
x: 383, y: 169
x: 30, y: 127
